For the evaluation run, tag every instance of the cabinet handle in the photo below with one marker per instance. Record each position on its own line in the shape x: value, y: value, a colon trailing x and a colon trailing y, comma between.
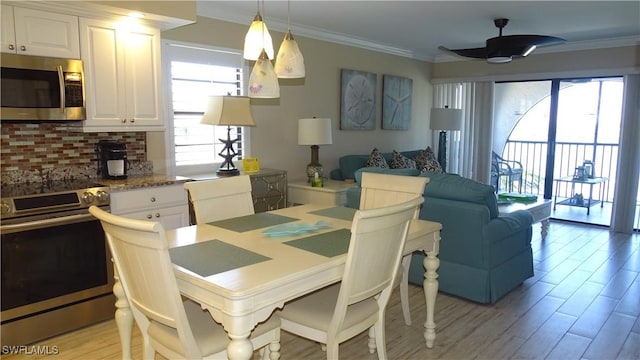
x: 153, y: 199
x: 132, y: 120
x: 157, y: 215
x: 23, y: 48
x: 149, y: 216
x: 124, y: 121
x: 11, y: 47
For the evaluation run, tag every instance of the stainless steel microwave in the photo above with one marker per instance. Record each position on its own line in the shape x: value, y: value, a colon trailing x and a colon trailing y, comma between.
x: 37, y: 88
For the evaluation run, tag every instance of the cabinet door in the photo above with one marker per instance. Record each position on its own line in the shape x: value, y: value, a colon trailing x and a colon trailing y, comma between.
x: 122, y: 75
x: 7, y: 30
x: 170, y: 217
x: 104, y: 73
x: 143, y: 76
x: 45, y: 33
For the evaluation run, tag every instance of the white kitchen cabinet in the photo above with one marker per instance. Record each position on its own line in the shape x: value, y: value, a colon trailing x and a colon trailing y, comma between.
x: 122, y: 76
x: 41, y: 33
x: 165, y: 204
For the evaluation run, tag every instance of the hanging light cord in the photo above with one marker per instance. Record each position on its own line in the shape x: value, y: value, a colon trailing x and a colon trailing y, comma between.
x: 289, y: 15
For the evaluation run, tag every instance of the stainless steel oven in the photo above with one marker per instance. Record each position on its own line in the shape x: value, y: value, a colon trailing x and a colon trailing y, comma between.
x: 56, y: 273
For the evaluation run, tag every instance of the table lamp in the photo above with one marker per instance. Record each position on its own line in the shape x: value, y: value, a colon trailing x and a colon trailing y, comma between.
x: 444, y: 119
x: 314, y: 132
x: 229, y: 111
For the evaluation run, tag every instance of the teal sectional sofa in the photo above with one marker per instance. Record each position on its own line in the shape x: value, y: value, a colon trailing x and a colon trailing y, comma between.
x: 483, y: 255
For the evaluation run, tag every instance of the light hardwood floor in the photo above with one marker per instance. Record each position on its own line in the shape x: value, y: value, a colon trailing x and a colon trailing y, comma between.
x: 582, y: 303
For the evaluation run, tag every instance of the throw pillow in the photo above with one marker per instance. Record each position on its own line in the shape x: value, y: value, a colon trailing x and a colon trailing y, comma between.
x: 377, y: 160
x: 426, y: 161
x: 399, y: 161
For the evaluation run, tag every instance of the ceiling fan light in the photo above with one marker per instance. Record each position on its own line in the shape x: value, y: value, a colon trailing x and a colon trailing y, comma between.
x: 263, y: 82
x: 289, y: 62
x: 499, y: 59
x: 529, y: 50
x: 257, y: 38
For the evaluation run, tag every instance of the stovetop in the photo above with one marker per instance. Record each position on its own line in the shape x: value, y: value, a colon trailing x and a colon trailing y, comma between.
x: 49, y: 187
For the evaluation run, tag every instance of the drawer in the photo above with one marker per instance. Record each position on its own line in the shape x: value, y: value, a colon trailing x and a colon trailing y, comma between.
x: 148, y: 198
x: 263, y: 204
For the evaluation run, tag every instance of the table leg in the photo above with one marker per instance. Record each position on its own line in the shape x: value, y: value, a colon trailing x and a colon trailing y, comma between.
x: 123, y: 317
x: 544, y: 228
x: 431, y: 264
x: 239, y: 348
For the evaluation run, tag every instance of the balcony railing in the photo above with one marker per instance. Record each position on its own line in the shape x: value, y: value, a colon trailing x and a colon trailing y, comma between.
x: 568, y: 156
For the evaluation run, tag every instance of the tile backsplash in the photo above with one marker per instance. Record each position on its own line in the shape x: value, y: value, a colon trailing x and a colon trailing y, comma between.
x: 39, y: 148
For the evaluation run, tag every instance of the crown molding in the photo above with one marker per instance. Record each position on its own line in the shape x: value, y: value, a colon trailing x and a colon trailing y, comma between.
x: 229, y: 15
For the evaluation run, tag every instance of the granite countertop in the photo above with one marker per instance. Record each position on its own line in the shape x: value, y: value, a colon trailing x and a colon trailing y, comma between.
x: 142, y: 181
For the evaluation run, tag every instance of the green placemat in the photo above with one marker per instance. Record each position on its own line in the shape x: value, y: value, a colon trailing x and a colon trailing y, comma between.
x: 252, y: 222
x: 328, y: 244
x: 338, y: 212
x: 212, y: 257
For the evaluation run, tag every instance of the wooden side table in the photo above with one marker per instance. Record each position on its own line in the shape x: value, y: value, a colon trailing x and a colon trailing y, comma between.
x: 334, y: 192
x: 540, y: 210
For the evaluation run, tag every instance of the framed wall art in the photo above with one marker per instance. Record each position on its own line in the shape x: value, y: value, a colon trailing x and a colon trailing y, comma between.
x: 396, y: 102
x: 357, y: 100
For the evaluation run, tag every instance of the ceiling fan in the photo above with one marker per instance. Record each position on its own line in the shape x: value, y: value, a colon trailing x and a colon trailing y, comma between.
x: 502, y: 49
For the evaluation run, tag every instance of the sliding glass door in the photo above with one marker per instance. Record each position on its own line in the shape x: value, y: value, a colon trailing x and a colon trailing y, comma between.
x: 560, y: 129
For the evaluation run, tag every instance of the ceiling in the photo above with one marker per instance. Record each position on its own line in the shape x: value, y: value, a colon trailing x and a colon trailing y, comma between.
x: 415, y: 29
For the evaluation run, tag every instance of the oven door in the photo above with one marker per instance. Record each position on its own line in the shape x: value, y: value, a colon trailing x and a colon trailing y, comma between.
x: 52, y: 263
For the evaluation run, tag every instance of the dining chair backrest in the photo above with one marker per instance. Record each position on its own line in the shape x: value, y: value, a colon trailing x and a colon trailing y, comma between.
x: 140, y: 252
x: 378, y: 237
x: 380, y: 190
x: 220, y: 199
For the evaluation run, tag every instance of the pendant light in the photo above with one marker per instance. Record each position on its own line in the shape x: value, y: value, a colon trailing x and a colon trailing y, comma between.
x: 289, y: 62
x: 263, y: 82
x: 257, y: 38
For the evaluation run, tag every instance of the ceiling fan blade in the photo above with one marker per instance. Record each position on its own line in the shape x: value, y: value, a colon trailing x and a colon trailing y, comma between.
x: 476, y: 53
x: 527, y: 40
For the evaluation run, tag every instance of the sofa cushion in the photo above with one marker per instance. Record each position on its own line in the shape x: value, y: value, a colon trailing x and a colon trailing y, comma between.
x: 455, y: 187
x: 426, y: 160
x: 405, y: 172
x: 399, y: 161
x: 376, y: 159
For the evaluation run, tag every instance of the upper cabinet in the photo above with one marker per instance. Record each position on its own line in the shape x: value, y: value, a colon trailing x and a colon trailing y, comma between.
x: 122, y: 75
x: 41, y: 33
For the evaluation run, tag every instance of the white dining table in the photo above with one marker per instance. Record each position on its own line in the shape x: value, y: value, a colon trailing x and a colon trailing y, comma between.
x: 276, y: 269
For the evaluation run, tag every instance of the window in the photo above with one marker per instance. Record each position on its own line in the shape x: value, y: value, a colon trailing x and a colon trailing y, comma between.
x: 194, y: 73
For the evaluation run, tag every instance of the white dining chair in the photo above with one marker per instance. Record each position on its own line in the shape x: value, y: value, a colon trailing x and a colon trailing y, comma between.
x: 383, y: 190
x: 220, y: 199
x: 339, y: 312
x: 174, y: 328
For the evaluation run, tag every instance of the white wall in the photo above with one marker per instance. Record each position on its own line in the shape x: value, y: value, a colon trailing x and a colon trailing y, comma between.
x: 274, y: 139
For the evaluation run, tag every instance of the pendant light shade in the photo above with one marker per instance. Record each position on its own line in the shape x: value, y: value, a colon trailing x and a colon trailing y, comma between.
x: 263, y: 82
x: 257, y: 38
x: 290, y: 62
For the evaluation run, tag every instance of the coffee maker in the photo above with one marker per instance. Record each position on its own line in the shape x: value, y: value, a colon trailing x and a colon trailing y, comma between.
x: 112, y: 159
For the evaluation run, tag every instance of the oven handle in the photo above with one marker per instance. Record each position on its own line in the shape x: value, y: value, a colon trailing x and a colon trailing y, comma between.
x: 63, y: 101
x: 39, y: 224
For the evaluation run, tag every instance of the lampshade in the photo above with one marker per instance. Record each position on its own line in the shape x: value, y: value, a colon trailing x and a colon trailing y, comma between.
x: 229, y: 111
x: 314, y: 131
x: 257, y: 38
x: 290, y: 62
x: 446, y: 119
x: 263, y: 82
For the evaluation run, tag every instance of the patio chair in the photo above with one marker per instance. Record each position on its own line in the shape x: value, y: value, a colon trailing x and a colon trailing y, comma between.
x: 511, y: 169
x: 175, y: 328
